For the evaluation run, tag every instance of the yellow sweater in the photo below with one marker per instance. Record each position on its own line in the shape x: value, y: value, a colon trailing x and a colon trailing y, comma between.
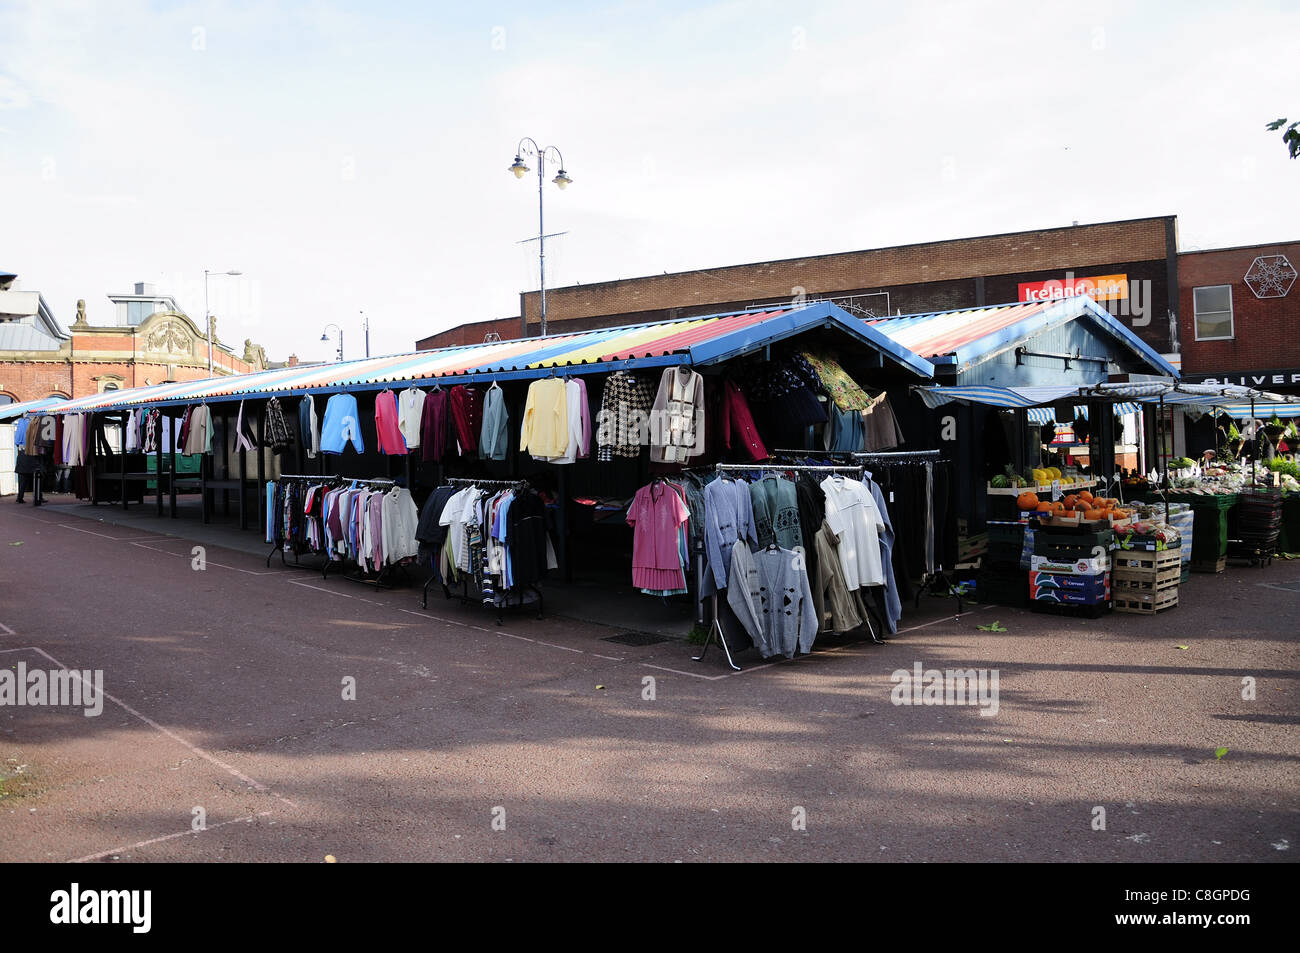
x: 545, y: 431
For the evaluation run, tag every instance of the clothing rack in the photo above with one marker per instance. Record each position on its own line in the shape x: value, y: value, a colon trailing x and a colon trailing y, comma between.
x: 297, y: 478
x: 795, y: 467
x: 900, y: 455
x: 332, y: 480
x: 936, y: 581
x: 464, y: 579
x: 715, y: 630
x: 379, y: 581
x: 470, y: 481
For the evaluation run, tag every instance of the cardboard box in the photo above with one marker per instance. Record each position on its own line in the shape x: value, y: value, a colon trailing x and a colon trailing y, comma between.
x: 1074, y: 567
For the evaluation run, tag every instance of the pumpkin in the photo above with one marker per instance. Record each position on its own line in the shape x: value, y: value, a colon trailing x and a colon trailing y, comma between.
x: 1027, y: 501
x: 1058, y: 507
x: 1086, y: 496
x: 1070, y: 501
x: 1094, y: 514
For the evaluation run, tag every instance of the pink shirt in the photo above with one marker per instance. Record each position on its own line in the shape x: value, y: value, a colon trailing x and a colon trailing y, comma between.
x: 656, y: 515
x: 386, y: 424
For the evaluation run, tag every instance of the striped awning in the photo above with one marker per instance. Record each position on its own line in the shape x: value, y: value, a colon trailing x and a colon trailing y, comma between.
x: 694, y: 341
x: 9, y: 411
x: 1047, y: 415
x: 970, y: 335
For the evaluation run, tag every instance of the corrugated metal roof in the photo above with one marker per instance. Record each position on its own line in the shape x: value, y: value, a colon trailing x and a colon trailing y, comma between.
x: 22, y: 335
x: 8, y: 411
x: 970, y: 334
x: 695, y: 341
x: 939, y: 333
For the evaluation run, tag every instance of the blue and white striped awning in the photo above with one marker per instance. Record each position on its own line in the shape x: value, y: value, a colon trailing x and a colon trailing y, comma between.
x: 1262, y: 410
x: 1009, y: 397
x: 1047, y: 415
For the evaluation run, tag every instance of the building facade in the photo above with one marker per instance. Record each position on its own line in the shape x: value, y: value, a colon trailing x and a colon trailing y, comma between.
x: 1130, y: 267
x: 151, y: 341
x: 1239, y: 316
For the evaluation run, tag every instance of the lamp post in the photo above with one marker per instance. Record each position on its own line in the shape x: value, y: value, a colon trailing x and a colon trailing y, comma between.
x: 366, y: 324
x: 324, y: 336
x: 207, y: 314
x: 529, y: 146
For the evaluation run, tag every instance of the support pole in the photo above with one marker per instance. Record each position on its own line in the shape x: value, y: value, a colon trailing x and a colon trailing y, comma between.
x: 158, y: 464
x: 171, y: 431
x: 121, y: 453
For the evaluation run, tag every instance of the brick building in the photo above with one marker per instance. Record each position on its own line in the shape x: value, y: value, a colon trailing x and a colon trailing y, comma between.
x: 1239, y: 316
x: 1138, y: 259
x: 152, y: 341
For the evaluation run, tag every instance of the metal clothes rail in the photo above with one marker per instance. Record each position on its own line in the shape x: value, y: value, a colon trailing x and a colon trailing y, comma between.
x: 715, y: 630
x: 465, y: 596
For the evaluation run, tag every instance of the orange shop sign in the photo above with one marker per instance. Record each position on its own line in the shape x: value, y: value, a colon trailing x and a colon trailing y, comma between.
x: 1100, y: 287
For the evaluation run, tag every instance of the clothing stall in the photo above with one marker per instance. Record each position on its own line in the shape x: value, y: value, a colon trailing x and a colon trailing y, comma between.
x: 527, y: 462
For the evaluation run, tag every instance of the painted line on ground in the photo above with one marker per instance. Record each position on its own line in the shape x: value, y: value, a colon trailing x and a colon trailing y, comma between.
x: 207, y: 562
x: 165, y: 837
x: 7, y: 631
x: 307, y: 585
x: 211, y: 758
x: 1273, y: 585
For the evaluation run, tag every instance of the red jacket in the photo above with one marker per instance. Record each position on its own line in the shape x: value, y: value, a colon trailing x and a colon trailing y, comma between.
x: 738, y: 422
x: 467, y: 416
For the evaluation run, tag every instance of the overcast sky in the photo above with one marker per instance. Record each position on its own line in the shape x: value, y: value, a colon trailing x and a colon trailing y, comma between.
x: 353, y: 156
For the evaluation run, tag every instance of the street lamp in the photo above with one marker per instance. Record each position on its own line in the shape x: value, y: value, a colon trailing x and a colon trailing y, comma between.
x: 366, y: 323
x: 528, y: 146
x: 207, y: 313
x: 324, y: 336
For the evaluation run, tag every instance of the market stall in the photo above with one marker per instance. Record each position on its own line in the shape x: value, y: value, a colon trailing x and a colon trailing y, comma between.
x: 1192, y: 515
x: 592, y: 453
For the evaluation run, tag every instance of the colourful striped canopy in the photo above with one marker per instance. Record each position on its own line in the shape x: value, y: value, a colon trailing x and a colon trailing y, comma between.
x: 694, y: 341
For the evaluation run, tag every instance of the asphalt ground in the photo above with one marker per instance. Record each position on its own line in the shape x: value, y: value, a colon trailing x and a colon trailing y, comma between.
x: 540, y: 741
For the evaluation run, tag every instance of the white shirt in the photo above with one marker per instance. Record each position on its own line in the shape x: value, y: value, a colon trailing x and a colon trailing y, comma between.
x: 852, y: 516
x: 410, y: 412
x: 455, y: 515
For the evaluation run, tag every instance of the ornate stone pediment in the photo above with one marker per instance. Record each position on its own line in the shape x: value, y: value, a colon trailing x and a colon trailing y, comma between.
x: 169, y: 337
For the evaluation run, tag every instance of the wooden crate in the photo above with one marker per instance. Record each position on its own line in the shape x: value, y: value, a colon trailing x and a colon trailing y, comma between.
x: 1141, y: 560
x: 1146, y: 603
x: 1129, y: 580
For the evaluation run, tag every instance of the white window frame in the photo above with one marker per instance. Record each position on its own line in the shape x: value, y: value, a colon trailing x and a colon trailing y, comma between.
x: 1232, y: 318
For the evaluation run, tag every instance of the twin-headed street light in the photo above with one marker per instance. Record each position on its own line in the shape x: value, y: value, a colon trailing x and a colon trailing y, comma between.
x: 528, y: 146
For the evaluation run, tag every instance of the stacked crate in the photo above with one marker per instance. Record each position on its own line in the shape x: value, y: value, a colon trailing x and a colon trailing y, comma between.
x: 1146, y: 581
x: 1257, y: 526
x: 1070, y: 571
x: 1002, y: 573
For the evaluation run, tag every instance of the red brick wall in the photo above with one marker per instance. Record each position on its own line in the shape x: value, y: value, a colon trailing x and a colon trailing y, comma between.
x: 1050, y: 249
x: 32, y: 380
x: 474, y: 333
x: 1266, y: 331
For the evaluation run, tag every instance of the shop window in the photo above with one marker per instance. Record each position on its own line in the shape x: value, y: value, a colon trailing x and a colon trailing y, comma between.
x: 1212, y: 307
x: 6, y: 399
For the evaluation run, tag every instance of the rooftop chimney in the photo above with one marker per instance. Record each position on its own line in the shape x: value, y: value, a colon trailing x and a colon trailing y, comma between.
x: 144, y: 288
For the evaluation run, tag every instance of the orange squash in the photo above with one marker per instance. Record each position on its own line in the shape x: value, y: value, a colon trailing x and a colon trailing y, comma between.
x: 1058, y: 507
x: 1086, y: 496
x: 1027, y: 501
x: 1044, y: 507
x: 1070, y: 501
x: 1094, y: 514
